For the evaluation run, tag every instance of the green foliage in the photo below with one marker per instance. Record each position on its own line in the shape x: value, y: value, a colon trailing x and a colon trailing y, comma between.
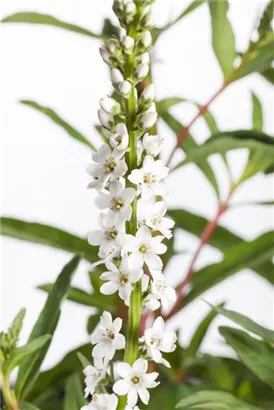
x: 257, y: 113
x: 27, y: 406
x: 74, y: 399
x: 9, y: 340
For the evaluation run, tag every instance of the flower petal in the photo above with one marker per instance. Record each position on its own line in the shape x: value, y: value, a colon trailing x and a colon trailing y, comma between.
x: 121, y: 387
x: 140, y: 366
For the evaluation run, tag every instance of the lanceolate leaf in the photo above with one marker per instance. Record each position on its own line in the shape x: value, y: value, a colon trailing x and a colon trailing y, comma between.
x: 269, y: 74
x: 74, y: 399
x: 255, y: 354
x: 223, y: 239
x: 59, y: 121
x: 213, y: 400
x: 252, y: 254
x: 257, y: 113
x: 46, y: 323
x: 27, y: 406
x: 245, y: 322
x: 223, y: 39
x: 49, y: 236
x: 44, y: 19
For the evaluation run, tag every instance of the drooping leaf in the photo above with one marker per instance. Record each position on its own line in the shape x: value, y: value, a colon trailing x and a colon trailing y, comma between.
x: 217, y: 400
x: 223, y: 239
x: 49, y: 236
x: 46, y: 323
x: 80, y: 296
x: 19, y: 354
x: 222, y: 142
x: 253, y: 254
x: 257, y: 113
x: 223, y: 38
x: 44, y: 19
x: 255, y: 354
x: 200, y: 333
x: 245, y: 322
x: 74, y: 398
x: 48, y: 112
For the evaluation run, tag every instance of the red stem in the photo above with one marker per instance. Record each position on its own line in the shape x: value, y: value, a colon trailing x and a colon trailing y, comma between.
x: 203, y: 109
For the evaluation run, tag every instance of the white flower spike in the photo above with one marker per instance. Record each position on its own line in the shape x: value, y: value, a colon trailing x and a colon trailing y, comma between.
x: 94, y: 375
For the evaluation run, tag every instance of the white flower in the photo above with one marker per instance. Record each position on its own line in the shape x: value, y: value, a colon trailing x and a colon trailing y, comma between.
x: 108, y: 166
x: 147, y: 120
x: 119, y: 140
x: 116, y: 76
x: 110, y: 105
x: 149, y: 93
x: 112, y: 45
x: 145, y: 249
x: 150, y: 178
x: 102, y: 402
x: 120, y: 279
x: 160, y: 292
x: 153, y: 144
x: 136, y: 381
x: 158, y: 340
x: 145, y: 58
x: 93, y: 375
x: 125, y: 89
x: 105, y: 118
x: 105, y: 54
x: 108, y: 238
x: 117, y: 200
x: 141, y: 71
x: 107, y: 338
x: 158, y: 222
x: 130, y: 8
x: 145, y: 39
x: 127, y: 43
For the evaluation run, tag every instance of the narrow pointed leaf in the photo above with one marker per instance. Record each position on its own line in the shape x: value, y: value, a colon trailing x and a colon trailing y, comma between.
x: 44, y: 19
x: 49, y: 236
x: 223, y: 39
x: 257, y: 113
x: 269, y: 75
x: 46, y: 323
x: 255, y: 354
x: 245, y: 322
x: 48, y: 112
x: 84, y: 361
x: 74, y: 398
x: 27, y: 406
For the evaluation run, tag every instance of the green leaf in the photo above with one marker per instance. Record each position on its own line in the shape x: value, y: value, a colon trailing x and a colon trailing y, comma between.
x: 8, y: 340
x: 74, y: 398
x: 253, y: 254
x: 257, y: 113
x: 93, y: 321
x: 44, y: 19
x: 189, y: 145
x: 27, y: 406
x: 19, y: 354
x: 200, y: 333
x: 255, y: 354
x: 245, y: 322
x: 83, y: 298
x: 85, y: 362
x: 252, y: 203
x: 46, y: 323
x: 225, y: 141
x: 223, y: 39
x: 59, y: 121
x: 49, y: 236
x: 268, y: 74
x: 223, y: 239
x: 213, y: 400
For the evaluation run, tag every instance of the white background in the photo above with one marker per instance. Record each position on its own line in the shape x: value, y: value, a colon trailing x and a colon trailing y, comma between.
x: 44, y: 170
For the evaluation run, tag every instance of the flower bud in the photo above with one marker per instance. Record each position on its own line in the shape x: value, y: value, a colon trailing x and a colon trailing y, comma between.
x: 147, y: 120
x: 105, y: 119
x: 145, y: 40
x: 141, y: 71
x: 105, y: 54
x: 110, y: 105
x: 148, y: 94
x: 145, y: 58
x: 125, y: 89
x: 112, y: 45
x: 116, y: 76
x: 130, y: 9
x: 151, y: 108
x: 127, y: 43
x: 152, y: 144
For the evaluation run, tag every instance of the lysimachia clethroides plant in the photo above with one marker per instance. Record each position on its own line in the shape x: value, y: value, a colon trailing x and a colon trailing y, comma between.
x: 131, y: 196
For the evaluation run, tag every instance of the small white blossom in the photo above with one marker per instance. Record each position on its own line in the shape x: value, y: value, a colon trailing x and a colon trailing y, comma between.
x: 109, y: 238
x: 145, y: 39
x: 93, y: 376
x: 160, y: 292
x: 158, y: 222
x: 141, y: 71
x: 107, y: 338
x: 150, y: 178
x: 130, y: 8
x: 112, y: 45
x: 145, y: 249
x: 117, y: 200
x: 145, y: 58
x: 116, y: 76
x: 105, y: 118
x: 158, y: 340
x: 110, y: 105
x: 105, y: 54
x: 120, y: 279
x: 153, y: 144
x: 136, y: 381
x: 102, y: 402
x: 127, y: 43
x: 125, y: 89
x: 147, y: 120
x: 108, y: 166
x: 119, y: 140
x: 149, y: 93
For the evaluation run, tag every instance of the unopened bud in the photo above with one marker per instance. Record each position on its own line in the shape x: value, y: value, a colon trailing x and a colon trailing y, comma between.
x: 130, y: 8
x: 105, y: 54
x: 105, y: 118
x: 127, y: 43
x: 145, y: 40
x: 110, y: 105
x: 148, y: 94
x: 112, y: 45
x: 141, y: 71
x: 125, y: 89
x: 147, y: 120
x: 116, y: 76
x: 145, y: 58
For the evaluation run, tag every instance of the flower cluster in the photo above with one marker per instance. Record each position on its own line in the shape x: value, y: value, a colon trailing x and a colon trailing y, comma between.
x: 129, y: 179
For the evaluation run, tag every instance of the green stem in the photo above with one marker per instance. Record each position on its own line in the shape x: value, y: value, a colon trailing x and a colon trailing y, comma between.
x: 9, y: 395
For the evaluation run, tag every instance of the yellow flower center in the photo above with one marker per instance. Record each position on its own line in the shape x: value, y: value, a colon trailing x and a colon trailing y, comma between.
x: 116, y: 204
x: 109, y: 165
